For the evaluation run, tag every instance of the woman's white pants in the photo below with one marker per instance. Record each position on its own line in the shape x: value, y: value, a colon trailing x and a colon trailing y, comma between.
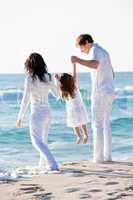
x: 40, y: 120
x: 102, y: 139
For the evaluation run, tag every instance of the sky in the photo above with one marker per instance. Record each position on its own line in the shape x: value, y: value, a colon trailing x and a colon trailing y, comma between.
x: 51, y: 27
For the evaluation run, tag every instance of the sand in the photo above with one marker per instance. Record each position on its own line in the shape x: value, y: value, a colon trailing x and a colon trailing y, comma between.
x: 75, y: 180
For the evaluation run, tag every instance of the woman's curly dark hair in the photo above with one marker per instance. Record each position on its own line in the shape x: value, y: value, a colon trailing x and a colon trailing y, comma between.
x: 67, y: 85
x: 36, y: 67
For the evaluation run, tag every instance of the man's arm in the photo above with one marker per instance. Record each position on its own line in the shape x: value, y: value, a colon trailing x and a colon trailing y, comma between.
x: 88, y: 63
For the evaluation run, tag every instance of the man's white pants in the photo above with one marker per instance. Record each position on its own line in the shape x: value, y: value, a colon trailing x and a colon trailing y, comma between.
x: 39, y: 126
x: 102, y: 139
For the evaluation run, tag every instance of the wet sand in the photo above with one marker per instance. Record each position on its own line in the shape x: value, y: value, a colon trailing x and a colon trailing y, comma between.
x: 75, y: 180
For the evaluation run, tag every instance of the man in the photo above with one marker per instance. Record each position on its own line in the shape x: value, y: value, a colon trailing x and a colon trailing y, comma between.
x: 102, y: 96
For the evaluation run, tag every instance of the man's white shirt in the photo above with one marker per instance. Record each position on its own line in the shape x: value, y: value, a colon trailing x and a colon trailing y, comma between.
x: 102, y: 77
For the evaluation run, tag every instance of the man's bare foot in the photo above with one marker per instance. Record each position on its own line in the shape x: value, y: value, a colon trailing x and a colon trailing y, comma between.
x: 85, y: 139
x: 78, y: 140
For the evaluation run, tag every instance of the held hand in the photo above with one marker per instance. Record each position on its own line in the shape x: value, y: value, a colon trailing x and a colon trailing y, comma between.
x: 57, y: 77
x: 19, y: 124
x: 74, y: 59
x: 74, y: 65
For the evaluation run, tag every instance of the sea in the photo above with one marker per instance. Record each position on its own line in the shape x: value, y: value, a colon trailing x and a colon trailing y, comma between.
x: 16, y: 150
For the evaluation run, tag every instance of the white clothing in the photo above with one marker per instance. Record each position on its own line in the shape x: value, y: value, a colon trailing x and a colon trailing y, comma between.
x: 102, y: 98
x: 102, y: 77
x: 36, y: 92
x: 40, y: 120
x: 102, y: 139
x: 76, y: 111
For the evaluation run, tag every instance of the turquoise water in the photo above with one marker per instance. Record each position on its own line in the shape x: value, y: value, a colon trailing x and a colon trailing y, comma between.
x: 15, y: 146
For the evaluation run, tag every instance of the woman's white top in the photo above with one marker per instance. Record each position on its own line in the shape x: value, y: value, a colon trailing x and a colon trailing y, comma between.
x: 36, y: 92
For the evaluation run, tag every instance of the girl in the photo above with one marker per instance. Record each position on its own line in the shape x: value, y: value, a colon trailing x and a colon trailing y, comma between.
x: 76, y: 113
x: 38, y: 84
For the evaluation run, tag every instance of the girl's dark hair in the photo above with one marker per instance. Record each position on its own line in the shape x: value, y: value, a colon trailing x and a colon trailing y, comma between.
x: 36, y: 67
x: 81, y: 40
x: 67, y: 85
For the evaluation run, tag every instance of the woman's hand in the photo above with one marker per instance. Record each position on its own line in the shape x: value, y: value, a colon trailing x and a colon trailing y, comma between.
x: 19, y: 124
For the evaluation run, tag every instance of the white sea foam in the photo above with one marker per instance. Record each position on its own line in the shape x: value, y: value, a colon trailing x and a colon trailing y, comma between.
x: 16, y: 93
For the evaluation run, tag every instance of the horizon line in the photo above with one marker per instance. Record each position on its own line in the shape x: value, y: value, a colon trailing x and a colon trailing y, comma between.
x: 3, y: 73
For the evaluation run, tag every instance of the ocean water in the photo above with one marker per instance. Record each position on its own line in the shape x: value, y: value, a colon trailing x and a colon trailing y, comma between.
x: 16, y: 149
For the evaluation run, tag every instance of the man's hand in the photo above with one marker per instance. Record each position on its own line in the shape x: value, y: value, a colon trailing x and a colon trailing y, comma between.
x: 74, y: 59
x: 88, y: 63
x: 19, y: 124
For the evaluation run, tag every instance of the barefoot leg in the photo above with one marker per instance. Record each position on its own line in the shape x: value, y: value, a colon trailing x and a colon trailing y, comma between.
x: 77, y: 133
x: 85, y: 134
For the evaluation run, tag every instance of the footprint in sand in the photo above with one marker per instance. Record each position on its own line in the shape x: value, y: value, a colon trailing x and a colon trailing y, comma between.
x: 111, y: 183
x: 129, y: 188
x: 70, y: 190
x: 31, y: 188
x: 28, y: 184
x: 108, y: 170
x: 102, y: 176
x: 120, y: 196
x: 111, y: 193
x: 85, y: 196
x: 43, y: 196
x: 78, y: 173
x: 95, y: 190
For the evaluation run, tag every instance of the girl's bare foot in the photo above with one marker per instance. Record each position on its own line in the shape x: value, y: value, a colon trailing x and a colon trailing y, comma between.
x: 85, y: 139
x: 77, y: 133
x: 78, y: 140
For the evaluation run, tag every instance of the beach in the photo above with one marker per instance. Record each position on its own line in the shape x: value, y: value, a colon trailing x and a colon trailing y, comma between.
x: 75, y: 180
x: 78, y: 177
x: 66, y: 100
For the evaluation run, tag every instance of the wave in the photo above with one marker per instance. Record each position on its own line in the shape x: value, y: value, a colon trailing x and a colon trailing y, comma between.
x: 127, y: 90
x: 23, y: 173
x: 59, y: 145
x: 123, y: 121
x: 12, y: 94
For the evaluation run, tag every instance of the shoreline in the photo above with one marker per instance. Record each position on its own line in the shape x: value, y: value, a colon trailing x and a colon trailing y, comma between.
x: 75, y: 180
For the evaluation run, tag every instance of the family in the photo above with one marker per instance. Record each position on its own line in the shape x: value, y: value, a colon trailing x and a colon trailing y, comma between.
x: 39, y: 83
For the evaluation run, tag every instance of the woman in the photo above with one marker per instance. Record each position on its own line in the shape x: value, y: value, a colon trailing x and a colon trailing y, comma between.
x: 38, y: 84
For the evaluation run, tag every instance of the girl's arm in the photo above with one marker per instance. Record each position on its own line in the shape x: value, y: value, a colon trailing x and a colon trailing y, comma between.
x: 74, y: 72
x: 24, y: 103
